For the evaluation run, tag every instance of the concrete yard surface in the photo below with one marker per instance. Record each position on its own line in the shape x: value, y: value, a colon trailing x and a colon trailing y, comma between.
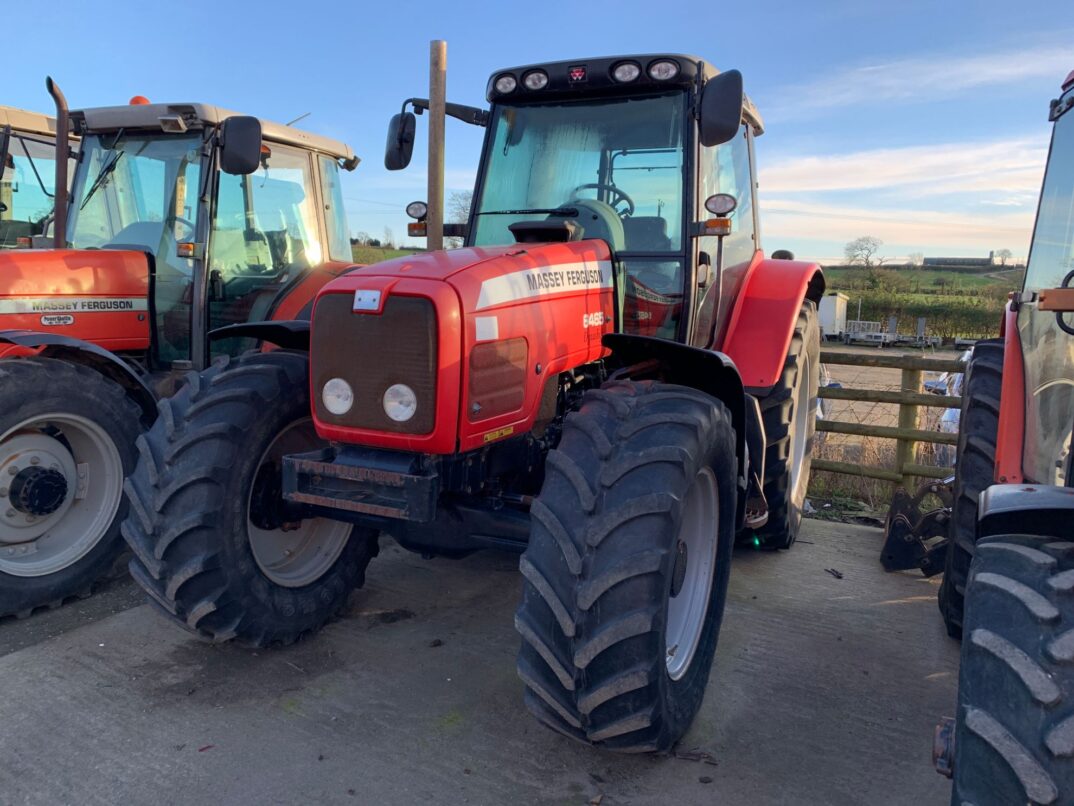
x: 825, y: 691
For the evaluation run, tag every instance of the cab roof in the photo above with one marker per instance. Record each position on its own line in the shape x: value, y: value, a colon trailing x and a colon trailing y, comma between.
x: 198, y: 116
x: 593, y: 77
x: 25, y: 121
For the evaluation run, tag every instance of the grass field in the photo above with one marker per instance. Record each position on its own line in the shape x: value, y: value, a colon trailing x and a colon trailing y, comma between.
x: 375, y: 254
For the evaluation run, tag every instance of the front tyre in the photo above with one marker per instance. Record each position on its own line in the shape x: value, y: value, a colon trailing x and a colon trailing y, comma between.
x: 625, y: 575
x: 214, y: 545
x: 66, y: 441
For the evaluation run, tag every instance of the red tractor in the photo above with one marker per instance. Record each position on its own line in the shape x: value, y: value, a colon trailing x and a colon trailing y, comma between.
x: 1008, y: 588
x: 610, y: 377
x: 181, y: 218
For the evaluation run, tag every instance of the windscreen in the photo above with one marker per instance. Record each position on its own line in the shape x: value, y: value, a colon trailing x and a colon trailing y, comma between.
x: 614, y: 166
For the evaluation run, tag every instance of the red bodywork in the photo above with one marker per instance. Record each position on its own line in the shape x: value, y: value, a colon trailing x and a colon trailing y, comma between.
x: 1010, y: 437
x: 98, y: 296
x: 761, y: 324
x: 556, y: 298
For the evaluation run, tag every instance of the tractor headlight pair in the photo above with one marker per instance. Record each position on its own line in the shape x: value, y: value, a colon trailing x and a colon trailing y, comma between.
x: 399, y: 401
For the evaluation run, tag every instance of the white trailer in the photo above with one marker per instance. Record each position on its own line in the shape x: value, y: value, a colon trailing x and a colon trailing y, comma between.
x: 833, y: 315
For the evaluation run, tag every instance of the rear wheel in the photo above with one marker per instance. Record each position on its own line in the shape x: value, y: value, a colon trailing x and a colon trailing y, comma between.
x: 66, y: 440
x: 1014, y: 730
x: 789, y: 412
x: 625, y: 575
x: 214, y: 543
x: 974, y: 471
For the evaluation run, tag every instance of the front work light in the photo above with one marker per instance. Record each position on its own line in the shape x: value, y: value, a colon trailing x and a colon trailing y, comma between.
x: 663, y: 70
x: 506, y: 84
x: 626, y: 72
x: 417, y: 210
x: 535, y: 80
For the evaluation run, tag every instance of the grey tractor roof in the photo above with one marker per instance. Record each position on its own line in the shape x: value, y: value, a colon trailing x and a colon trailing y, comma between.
x: 198, y: 116
x: 29, y: 122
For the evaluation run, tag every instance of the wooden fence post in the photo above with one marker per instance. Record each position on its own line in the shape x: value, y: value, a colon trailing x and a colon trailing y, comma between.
x: 909, y: 417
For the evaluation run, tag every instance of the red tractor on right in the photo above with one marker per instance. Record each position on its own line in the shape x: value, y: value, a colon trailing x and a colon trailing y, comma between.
x: 1008, y: 586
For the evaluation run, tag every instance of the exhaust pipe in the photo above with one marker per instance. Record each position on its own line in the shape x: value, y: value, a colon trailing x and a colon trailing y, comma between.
x: 63, y: 154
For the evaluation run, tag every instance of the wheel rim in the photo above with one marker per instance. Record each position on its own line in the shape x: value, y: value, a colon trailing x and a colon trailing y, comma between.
x: 695, y: 566
x: 297, y: 554
x: 803, y: 411
x: 61, y: 484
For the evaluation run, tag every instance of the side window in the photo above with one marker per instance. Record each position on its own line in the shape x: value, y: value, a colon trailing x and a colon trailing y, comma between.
x: 725, y: 169
x: 26, y: 188
x: 339, y: 239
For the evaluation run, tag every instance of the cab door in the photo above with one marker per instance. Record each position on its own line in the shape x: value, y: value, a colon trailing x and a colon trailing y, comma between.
x: 1048, y: 337
x: 266, y: 235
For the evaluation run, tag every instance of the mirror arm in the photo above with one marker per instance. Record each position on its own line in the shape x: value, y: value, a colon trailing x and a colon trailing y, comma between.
x: 467, y: 114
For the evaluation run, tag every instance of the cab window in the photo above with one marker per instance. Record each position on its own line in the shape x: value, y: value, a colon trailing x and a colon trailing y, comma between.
x: 27, y: 183
x: 339, y: 238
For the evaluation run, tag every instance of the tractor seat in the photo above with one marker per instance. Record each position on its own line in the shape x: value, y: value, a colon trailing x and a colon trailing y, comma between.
x: 646, y: 234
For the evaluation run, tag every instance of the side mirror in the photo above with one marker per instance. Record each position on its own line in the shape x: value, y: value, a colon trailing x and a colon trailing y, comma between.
x: 721, y: 108
x: 240, y: 145
x: 783, y: 254
x: 400, y: 145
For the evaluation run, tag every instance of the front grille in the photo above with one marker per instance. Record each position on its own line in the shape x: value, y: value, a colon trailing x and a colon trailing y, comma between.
x: 372, y: 352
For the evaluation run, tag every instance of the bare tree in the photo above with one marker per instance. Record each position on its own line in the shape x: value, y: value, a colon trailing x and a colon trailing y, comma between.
x: 917, y: 259
x: 863, y: 251
x: 458, y: 212
x: 389, y: 239
x: 1004, y: 255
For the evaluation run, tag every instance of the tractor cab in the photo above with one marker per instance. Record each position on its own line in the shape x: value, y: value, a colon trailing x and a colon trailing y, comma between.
x: 612, y: 149
x: 27, y: 175
x: 232, y: 210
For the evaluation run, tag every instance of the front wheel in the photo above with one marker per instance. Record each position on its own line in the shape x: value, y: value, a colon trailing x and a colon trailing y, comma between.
x: 66, y: 440
x: 625, y: 575
x: 214, y: 544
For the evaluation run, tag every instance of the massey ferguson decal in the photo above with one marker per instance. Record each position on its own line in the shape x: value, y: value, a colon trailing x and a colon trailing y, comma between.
x: 531, y: 283
x: 71, y: 305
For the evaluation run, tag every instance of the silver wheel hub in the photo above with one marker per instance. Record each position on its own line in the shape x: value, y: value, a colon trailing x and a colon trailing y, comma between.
x: 296, y: 553
x: 803, y: 413
x: 692, y: 573
x: 61, y: 482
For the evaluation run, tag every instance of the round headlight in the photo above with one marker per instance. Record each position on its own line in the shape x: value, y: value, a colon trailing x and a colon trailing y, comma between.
x: 505, y: 83
x: 721, y: 204
x: 400, y: 402
x: 337, y: 396
x: 537, y: 80
x: 626, y: 72
x: 417, y: 210
x: 663, y: 70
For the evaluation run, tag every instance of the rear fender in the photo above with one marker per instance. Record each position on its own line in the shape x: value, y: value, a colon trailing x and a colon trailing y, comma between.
x: 16, y: 344
x: 761, y: 324
x: 706, y: 370
x: 289, y: 334
x: 1030, y: 509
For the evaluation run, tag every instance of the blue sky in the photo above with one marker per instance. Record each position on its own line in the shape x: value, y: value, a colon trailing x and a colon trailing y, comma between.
x: 921, y: 123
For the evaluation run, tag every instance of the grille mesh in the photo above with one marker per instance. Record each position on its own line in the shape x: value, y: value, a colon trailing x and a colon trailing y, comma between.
x: 373, y: 352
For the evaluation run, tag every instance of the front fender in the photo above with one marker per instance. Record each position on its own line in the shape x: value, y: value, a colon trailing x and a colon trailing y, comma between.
x: 761, y: 325
x: 26, y: 343
x: 709, y: 371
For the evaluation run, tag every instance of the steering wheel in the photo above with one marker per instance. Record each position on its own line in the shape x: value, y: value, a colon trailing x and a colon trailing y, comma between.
x: 619, y: 197
x: 186, y: 223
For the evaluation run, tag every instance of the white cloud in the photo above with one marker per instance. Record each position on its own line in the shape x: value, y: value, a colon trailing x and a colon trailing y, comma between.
x: 922, y: 78
x: 915, y: 229
x: 1006, y: 167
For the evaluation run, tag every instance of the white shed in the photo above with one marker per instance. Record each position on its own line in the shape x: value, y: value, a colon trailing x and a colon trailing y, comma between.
x: 833, y: 315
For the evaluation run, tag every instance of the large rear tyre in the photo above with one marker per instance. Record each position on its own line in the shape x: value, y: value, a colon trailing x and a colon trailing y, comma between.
x: 974, y: 471
x: 66, y: 441
x: 789, y: 413
x: 625, y: 575
x: 214, y: 545
x: 1014, y: 730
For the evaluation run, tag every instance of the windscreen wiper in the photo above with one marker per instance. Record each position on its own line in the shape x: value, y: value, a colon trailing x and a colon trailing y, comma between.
x: 105, y: 171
